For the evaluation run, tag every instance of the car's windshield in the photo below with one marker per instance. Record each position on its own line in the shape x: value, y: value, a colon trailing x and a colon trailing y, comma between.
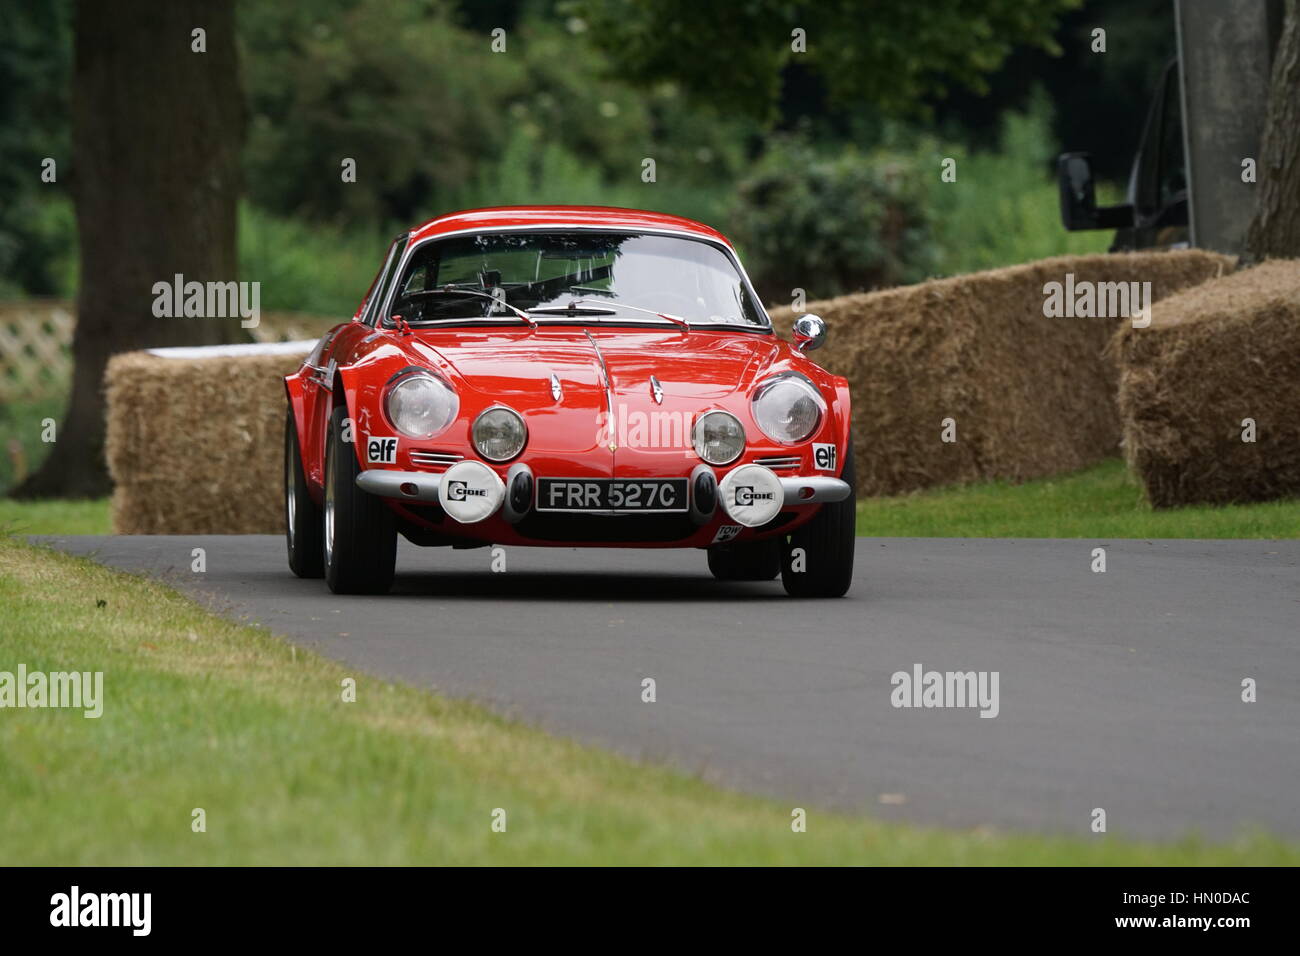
x: 614, y: 277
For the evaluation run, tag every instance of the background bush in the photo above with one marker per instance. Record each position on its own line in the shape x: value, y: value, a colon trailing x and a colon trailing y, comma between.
x: 831, y: 223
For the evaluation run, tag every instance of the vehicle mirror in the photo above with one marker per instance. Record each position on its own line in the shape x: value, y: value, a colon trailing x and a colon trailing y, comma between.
x: 1079, y: 197
x: 1078, y: 192
x: 809, y: 333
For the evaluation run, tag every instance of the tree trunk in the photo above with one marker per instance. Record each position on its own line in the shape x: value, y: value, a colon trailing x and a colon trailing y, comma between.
x: 156, y: 131
x: 1275, y: 230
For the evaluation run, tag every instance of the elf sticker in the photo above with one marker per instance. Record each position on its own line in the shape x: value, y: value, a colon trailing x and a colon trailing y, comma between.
x: 825, y: 457
x: 381, y: 451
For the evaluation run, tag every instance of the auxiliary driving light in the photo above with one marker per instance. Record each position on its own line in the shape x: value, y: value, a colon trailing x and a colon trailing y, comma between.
x: 752, y: 495
x: 470, y: 491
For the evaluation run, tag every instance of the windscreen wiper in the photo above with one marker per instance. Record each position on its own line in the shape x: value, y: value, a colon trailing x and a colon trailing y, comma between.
x: 453, y: 290
x: 676, y: 319
x: 573, y: 308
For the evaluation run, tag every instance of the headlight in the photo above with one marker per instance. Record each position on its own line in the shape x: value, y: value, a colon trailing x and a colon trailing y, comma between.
x: 499, y: 434
x: 421, y: 405
x: 788, y: 409
x: 718, y: 437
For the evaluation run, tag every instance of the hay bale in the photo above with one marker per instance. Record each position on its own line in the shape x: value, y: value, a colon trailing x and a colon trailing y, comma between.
x: 1213, y: 356
x: 1030, y: 396
x: 196, y: 439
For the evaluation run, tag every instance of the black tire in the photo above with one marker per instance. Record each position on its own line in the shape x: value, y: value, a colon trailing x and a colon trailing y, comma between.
x: 360, y: 533
x: 302, y: 517
x: 755, y: 561
x: 824, y: 546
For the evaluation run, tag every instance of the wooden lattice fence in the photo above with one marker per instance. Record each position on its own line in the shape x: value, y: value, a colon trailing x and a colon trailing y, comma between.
x: 36, y: 344
x: 35, y: 353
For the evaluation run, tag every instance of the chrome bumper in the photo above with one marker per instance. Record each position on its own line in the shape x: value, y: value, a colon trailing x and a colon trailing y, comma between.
x: 422, y: 486
x: 814, y: 490
x: 408, y: 485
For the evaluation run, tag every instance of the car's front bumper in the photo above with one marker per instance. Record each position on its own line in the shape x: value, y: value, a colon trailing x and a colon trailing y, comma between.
x: 422, y: 486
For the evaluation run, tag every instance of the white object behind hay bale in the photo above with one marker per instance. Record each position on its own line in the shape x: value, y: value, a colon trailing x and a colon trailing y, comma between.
x: 300, y: 348
x: 196, y: 438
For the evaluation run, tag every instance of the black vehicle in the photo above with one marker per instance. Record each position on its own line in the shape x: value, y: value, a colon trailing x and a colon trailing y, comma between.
x: 1154, y: 213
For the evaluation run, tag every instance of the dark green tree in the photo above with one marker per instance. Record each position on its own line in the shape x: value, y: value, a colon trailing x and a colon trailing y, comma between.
x: 887, y: 55
x: 156, y: 132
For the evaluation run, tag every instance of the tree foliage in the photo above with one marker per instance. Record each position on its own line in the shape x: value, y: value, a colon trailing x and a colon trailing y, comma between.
x: 35, y: 216
x: 891, y: 55
x: 415, y: 94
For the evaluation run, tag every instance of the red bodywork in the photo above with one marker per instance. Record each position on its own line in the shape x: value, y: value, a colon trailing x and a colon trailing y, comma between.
x: 698, y: 370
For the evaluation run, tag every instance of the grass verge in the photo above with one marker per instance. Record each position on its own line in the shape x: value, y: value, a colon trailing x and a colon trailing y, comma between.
x: 200, y: 712
x: 55, y: 516
x: 1104, y: 501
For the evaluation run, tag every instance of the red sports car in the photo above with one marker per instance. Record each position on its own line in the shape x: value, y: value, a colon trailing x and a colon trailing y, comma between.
x: 568, y: 377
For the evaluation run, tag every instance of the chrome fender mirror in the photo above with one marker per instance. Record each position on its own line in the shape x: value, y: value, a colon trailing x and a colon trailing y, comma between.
x: 809, y: 333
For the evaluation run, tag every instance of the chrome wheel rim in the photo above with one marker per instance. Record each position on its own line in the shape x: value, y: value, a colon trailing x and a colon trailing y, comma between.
x: 290, y: 497
x: 329, y: 505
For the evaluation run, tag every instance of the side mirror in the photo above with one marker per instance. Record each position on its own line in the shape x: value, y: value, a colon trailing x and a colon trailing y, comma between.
x: 809, y: 333
x: 1079, y: 197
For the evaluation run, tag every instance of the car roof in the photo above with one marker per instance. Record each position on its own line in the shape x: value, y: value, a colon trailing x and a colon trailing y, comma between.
x: 586, y: 216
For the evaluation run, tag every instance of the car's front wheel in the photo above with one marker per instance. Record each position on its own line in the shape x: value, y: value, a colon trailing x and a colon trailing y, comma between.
x: 818, y: 561
x: 302, y: 516
x: 360, y: 534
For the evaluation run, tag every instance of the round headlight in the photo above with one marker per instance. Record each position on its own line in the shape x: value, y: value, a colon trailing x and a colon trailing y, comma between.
x: 788, y: 409
x: 420, y: 405
x: 499, y: 434
x: 718, y: 437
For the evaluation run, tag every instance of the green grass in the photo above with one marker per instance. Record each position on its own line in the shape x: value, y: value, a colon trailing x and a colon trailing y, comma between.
x: 22, y: 424
x: 1104, y: 501
x: 200, y: 712
x: 55, y: 517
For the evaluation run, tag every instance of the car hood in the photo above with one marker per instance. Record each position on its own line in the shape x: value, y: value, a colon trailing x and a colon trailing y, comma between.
x: 699, y: 367
x: 660, y: 380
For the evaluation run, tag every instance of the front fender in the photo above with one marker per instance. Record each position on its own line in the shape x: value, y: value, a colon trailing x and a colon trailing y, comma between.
x: 360, y: 388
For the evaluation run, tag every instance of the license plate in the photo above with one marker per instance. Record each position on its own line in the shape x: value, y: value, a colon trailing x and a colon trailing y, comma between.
x: 611, y: 494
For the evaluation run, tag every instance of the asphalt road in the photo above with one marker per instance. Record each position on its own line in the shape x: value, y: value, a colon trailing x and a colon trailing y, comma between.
x: 1120, y: 690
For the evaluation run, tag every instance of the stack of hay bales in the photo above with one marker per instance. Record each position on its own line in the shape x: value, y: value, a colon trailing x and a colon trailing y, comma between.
x: 1213, y: 357
x: 196, y: 438
x: 1029, y: 396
